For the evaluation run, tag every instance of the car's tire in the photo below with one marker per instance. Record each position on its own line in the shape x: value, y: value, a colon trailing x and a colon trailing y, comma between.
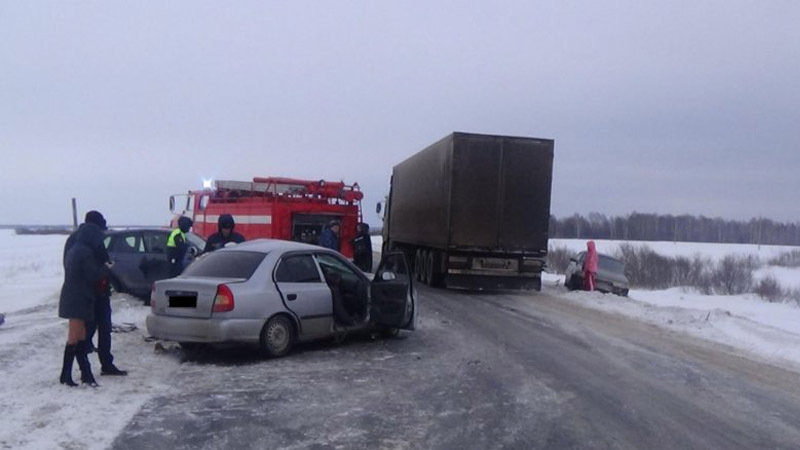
x: 116, y: 286
x: 277, y: 337
x: 389, y: 332
x: 191, y: 346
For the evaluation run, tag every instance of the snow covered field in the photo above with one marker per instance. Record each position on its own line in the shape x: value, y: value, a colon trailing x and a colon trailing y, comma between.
x: 38, y: 413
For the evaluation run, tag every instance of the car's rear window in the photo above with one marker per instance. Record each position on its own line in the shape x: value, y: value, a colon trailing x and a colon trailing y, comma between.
x: 230, y: 264
x: 611, y: 265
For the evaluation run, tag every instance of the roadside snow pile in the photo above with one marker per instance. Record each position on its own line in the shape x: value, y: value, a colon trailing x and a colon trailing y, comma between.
x: 37, y: 411
x: 769, y: 330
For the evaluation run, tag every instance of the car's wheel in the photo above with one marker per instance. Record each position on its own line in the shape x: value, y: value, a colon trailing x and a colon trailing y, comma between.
x: 277, y: 337
x: 389, y: 332
x: 116, y: 286
x: 191, y: 346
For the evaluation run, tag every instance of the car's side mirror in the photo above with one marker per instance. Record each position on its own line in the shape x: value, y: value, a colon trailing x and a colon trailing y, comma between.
x: 574, y: 260
x: 193, y: 251
x: 388, y: 276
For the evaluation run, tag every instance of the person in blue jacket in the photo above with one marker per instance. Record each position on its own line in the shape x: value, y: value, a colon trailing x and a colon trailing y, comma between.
x: 330, y: 236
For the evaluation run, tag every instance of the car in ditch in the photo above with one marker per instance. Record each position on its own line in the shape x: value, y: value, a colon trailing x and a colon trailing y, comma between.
x: 273, y: 294
x: 140, y: 258
x: 610, y: 274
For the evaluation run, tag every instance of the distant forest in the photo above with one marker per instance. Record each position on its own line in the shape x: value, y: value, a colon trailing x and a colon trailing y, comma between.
x: 656, y: 227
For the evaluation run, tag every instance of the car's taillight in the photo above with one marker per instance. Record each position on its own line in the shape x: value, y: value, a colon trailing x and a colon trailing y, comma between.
x: 223, y: 301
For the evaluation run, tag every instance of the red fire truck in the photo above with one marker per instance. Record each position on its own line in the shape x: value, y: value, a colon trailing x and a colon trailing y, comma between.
x: 276, y: 208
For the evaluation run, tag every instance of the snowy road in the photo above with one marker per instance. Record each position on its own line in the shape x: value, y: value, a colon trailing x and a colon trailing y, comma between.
x: 482, y: 371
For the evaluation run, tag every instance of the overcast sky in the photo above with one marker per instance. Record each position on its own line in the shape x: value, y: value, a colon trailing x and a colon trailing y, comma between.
x: 669, y: 107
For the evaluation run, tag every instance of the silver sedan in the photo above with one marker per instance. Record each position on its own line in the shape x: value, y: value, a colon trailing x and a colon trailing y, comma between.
x: 275, y: 293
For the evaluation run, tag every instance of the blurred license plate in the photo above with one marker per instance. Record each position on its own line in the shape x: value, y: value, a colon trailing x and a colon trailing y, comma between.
x: 494, y: 263
x: 183, y: 301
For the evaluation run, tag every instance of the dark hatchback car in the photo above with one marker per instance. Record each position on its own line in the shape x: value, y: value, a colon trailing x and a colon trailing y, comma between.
x: 610, y: 274
x: 140, y: 258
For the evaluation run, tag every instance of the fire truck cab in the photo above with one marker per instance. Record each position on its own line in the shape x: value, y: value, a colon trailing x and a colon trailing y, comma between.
x: 275, y: 208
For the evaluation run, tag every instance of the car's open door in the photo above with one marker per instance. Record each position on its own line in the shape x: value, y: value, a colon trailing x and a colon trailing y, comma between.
x: 393, y: 303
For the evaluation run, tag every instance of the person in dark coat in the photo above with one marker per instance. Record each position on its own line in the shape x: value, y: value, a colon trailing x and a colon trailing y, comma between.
x: 330, y: 236
x: 362, y: 248
x: 224, y: 234
x: 177, y: 246
x: 102, y: 305
x: 82, y: 273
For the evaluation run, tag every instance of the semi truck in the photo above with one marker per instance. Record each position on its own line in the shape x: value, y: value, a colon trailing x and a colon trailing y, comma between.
x: 472, y: 211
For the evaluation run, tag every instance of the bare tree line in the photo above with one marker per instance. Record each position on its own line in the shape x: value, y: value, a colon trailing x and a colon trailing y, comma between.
x: 684, y: 228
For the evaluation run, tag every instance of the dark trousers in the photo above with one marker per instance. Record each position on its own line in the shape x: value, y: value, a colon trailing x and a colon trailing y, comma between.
x: 102, y: 323
x: 175, y: 267
x: 363, y: 261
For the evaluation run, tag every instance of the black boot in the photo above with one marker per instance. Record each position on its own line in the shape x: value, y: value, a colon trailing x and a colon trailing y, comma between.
x: 83, y: 363
x: 66, y: 367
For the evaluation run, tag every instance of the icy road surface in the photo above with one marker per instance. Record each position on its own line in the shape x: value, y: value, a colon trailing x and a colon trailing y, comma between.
x: 481, y: 372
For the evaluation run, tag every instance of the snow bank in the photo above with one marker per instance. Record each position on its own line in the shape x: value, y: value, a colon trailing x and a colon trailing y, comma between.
x: 767, y: 330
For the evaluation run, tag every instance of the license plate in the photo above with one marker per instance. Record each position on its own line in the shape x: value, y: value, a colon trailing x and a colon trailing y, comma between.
x: 183, y: 301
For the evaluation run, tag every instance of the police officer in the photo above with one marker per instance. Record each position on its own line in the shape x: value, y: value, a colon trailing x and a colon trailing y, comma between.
x: 224, y: 234
x: 177, y: 246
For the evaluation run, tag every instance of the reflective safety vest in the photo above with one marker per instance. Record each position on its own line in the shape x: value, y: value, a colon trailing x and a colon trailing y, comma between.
x: 171, y: 238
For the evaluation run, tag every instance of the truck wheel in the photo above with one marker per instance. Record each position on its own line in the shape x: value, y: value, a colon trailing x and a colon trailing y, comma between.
x: 425, y: 269
x: 277, y: 337
x: 419, y: 265
x: 433, y: 265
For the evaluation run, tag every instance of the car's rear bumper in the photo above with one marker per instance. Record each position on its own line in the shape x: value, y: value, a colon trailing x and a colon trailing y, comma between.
x: 185, y: 329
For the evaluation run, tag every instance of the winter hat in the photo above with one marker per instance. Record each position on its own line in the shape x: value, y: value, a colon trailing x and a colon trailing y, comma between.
x: 96, y: 218
x: 185, y: 223
x: 225, y: 221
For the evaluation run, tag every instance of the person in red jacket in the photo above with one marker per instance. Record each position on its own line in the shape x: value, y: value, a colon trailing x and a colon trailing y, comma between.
x: 590, y: 266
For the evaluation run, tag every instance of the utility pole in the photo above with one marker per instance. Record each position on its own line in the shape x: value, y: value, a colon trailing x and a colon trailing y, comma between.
x: 759, y: 233
x: 74, y: 214
x: 675, y: 237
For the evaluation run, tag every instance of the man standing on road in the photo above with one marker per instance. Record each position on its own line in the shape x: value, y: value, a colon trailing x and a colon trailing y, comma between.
x: 177, y: 246
x: 330, y: 237
x: 224, y: 234
x: 102, y: 304
x: 362, y: 248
